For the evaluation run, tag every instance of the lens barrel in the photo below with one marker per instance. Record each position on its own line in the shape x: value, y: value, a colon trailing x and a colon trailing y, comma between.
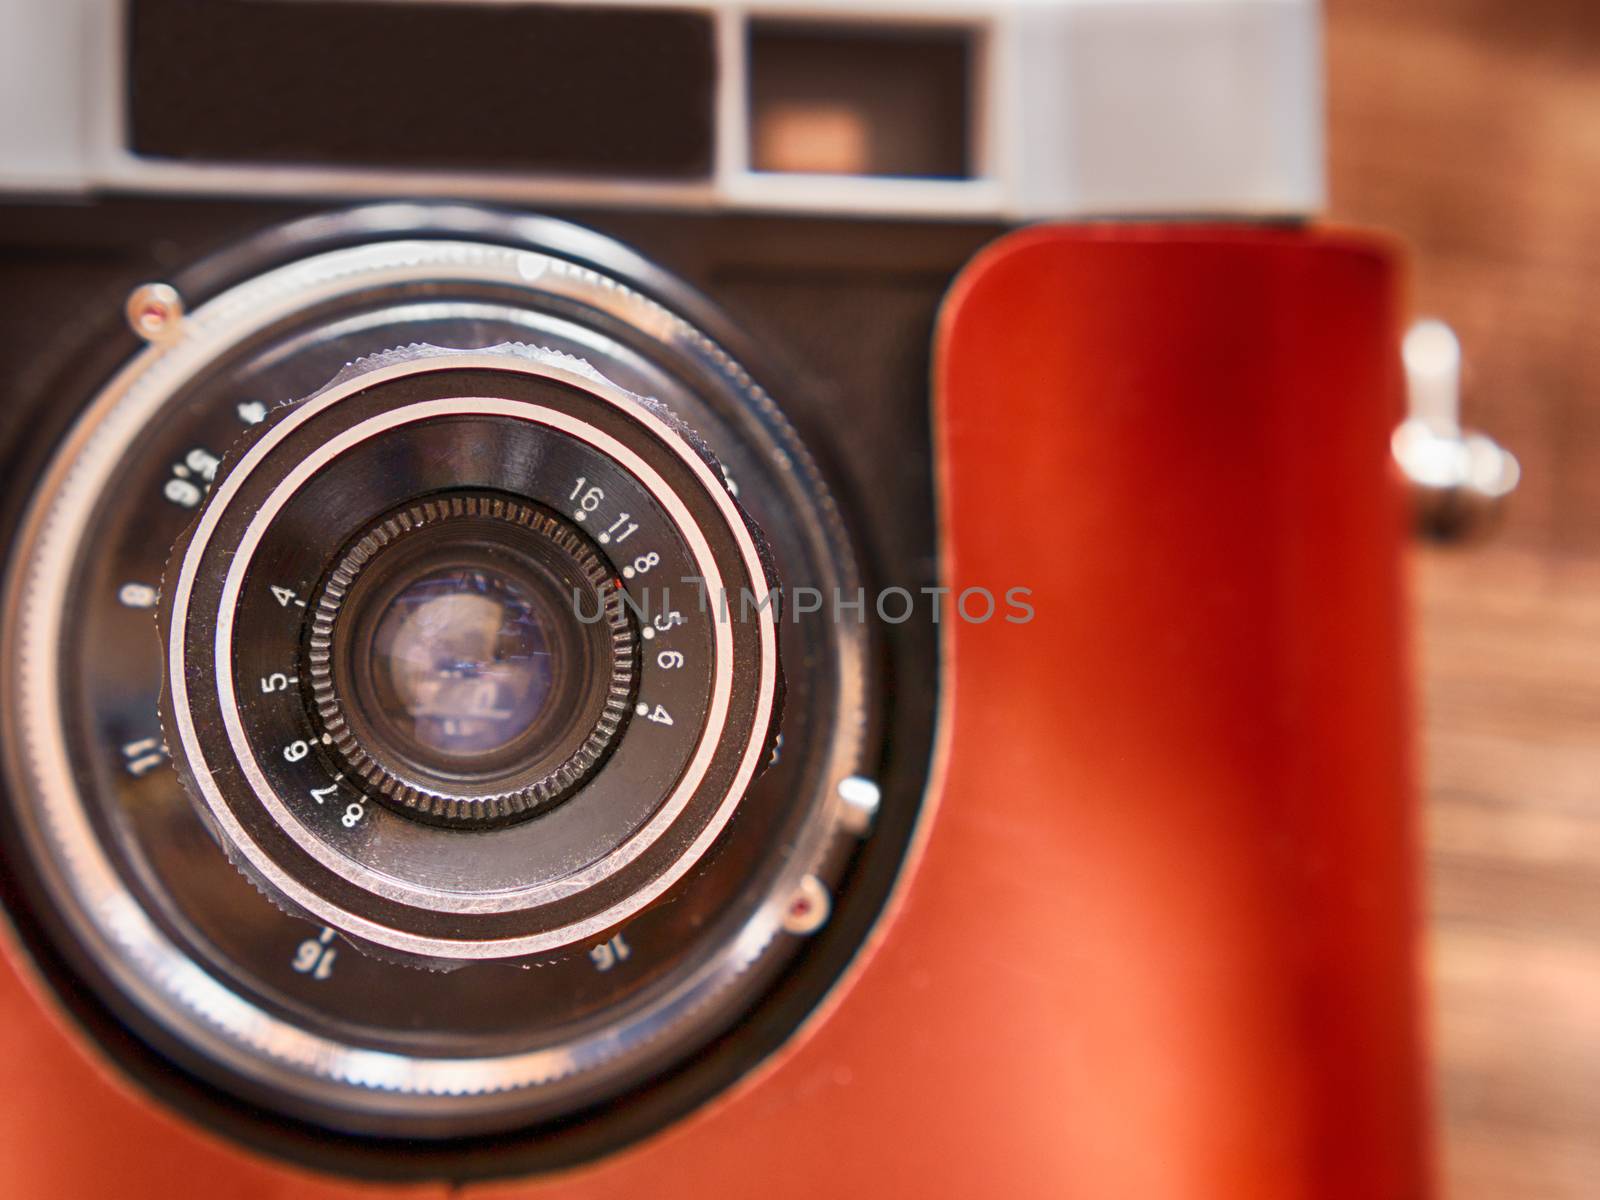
x: 471, y: 658
x: 404, y: 654
x: 428, y: 672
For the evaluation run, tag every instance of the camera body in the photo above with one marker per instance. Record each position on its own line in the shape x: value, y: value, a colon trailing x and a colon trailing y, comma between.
x: 1078, y: 836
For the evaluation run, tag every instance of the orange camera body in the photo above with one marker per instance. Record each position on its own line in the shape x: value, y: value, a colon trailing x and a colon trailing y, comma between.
x: 1156, y: 935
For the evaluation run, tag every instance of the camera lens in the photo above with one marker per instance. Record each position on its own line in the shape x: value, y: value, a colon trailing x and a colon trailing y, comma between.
x: 457, y: 665
x: 465, y: 659
x: 453, y: 671
x: 484, y: 772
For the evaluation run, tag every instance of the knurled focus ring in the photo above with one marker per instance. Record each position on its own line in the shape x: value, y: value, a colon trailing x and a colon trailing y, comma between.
x: 377, y: 773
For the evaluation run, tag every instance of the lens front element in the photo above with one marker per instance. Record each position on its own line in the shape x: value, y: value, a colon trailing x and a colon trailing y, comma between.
x: 471, y: 658
x: 458, y: 665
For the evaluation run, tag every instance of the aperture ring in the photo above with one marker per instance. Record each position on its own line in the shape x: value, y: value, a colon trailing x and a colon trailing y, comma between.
x: 525, y: 418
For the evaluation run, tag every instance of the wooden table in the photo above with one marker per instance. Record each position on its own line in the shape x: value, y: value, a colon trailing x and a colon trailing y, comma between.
x: 1472, y: 127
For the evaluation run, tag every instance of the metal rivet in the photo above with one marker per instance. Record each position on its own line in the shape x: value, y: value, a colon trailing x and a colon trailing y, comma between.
x: 808, y: 908
x: 154, y: 311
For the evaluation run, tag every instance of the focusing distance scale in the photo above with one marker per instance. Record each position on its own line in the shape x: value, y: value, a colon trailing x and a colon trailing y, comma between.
x: 435, y: 652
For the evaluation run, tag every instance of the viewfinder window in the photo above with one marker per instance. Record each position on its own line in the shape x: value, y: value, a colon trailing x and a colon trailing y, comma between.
x: 861, y: 99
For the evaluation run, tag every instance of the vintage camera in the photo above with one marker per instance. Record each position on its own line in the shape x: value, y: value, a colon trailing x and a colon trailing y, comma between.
x: 589, y: 591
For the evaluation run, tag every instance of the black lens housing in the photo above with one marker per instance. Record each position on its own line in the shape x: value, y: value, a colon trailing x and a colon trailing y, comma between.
x: 748, y: 994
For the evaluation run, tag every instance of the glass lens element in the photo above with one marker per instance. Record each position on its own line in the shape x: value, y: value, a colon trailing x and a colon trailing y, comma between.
x: 463, y: 662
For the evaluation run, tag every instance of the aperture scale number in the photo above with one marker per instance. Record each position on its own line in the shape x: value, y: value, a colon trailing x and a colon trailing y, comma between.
x: 588, y: 501
x: 299, y: 749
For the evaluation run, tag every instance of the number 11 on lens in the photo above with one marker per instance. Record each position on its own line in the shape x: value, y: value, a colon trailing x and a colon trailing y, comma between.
x: 621, y: 520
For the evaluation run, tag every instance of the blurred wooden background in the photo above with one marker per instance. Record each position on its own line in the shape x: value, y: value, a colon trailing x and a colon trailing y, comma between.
x: 1472, y: 127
